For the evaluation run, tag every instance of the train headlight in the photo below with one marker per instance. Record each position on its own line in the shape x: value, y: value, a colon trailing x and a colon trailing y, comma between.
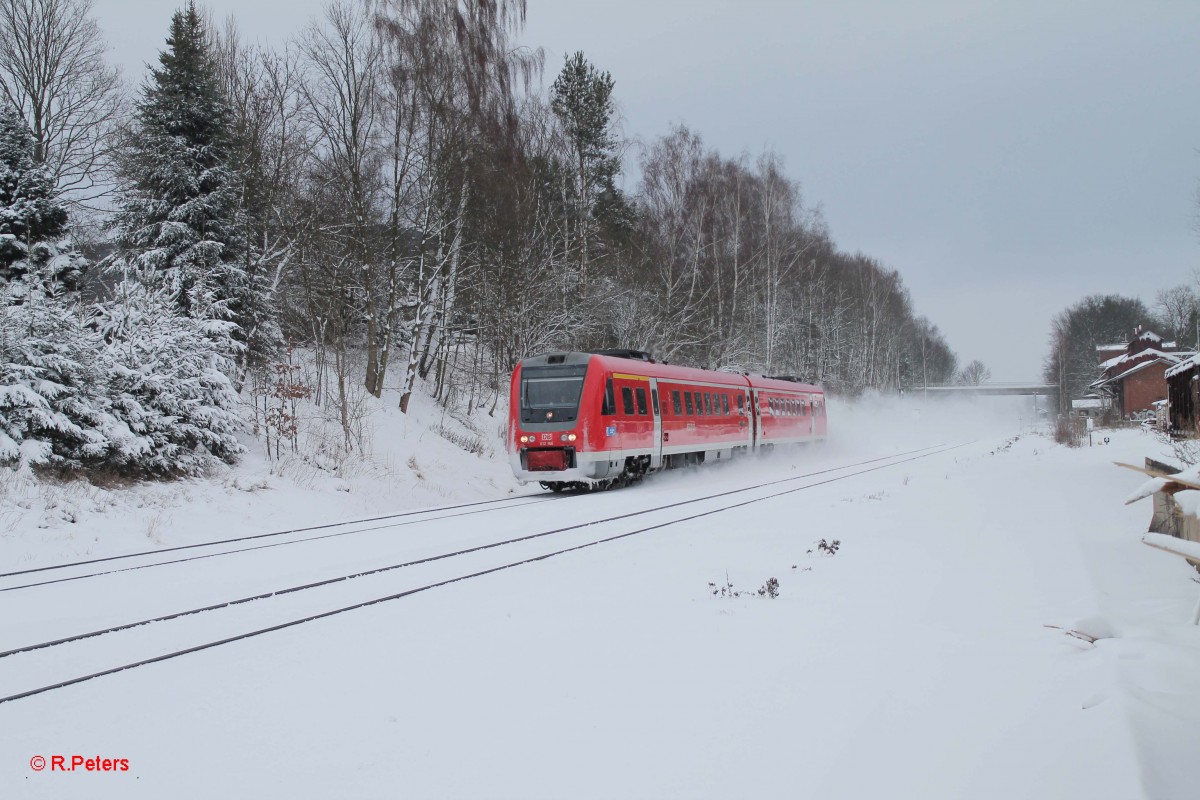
x: 570, y: 437
x: 524, y: 439
x: 562, y: 438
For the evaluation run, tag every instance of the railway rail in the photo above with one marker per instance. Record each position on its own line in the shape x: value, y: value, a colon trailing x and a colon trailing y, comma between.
x: 529, y: 499
x: 728, y: 501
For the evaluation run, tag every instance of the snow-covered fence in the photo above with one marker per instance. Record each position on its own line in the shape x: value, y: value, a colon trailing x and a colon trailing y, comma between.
x: 1174, y: 516
x: 1175, y: 524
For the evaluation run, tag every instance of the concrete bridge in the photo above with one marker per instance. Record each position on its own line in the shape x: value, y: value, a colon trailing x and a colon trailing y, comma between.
x: 1028, y: 389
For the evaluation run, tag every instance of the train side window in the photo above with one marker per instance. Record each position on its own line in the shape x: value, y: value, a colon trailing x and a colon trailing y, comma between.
x: 741, y: 403
x: 654, y: 401
x: 725, y: 404
x: 708, y: 403
x: 687, y: 396
x: 627, y: 400
x: 609, y: 406
x: 795, y: 408
x: 641, y: 401
x: 676, y: 403
x: 699, y: 404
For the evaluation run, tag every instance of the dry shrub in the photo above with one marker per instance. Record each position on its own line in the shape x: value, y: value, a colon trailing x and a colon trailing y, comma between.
x: 1070, y: 430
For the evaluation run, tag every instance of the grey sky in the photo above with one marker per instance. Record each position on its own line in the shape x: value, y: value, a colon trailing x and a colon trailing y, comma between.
x: 1007, y: 158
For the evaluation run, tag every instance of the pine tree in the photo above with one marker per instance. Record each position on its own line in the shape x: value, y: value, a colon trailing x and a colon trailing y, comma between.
x: 166, y: 379
x: 581, y: 98
x: 178, y: 216
x: 50, y: 411
x: 170, y: 332
x: 32, y: 223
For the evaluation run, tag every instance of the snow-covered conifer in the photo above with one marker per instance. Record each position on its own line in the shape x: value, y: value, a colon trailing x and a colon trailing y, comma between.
x: 32, y: 223
x: 51, y: 411
x: 179, y: 201
x: 166, y: 378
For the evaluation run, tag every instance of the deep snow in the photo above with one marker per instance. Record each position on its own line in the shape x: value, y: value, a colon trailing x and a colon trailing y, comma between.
x: 914, y: 662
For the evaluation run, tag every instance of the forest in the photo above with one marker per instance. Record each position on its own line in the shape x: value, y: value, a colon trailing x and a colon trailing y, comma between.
x: 401, y: 191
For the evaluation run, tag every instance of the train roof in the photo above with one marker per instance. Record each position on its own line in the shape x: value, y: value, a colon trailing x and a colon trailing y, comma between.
x: 783, y: 384
x: 638, y: 366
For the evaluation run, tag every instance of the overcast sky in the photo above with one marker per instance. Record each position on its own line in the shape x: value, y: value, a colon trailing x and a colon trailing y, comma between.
x: 1008, y: 158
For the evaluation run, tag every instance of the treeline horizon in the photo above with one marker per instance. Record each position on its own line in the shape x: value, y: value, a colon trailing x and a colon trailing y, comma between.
x: 393, y: 189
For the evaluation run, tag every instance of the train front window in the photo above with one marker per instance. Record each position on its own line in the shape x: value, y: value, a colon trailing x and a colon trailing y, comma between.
x: 551, y: 393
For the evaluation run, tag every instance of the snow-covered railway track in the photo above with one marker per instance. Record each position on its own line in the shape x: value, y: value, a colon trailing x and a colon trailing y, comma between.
x: 165, y: 556
x: 85, y: 656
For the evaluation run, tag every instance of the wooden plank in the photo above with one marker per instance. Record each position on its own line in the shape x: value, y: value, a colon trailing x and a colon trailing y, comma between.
x: 1184, y: 549
x: 1155, y: 473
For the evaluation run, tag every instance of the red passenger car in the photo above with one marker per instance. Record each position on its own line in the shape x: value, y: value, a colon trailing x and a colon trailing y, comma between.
x: 586, y: 419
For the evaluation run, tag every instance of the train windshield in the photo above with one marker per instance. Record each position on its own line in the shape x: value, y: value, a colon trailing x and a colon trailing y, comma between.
x: 551, y: 393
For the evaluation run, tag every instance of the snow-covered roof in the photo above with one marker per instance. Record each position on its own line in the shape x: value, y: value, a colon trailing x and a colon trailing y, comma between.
x: 1184, y: 365
x: 1150, y: 336
x: 1118, y: 360
x: 1113, y: 347
x: 1087, y: 402
x: 1159, y: 403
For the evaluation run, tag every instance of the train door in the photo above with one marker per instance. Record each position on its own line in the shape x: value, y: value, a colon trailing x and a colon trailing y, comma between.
x: 755, y: 421
x: 656, y: 451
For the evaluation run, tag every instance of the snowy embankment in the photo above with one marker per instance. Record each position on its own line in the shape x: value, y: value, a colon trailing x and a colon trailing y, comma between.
x: 427, y: 457
x: 989, y: 625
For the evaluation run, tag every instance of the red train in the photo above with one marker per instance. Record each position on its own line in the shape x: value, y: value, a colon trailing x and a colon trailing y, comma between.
x: 579, y: 420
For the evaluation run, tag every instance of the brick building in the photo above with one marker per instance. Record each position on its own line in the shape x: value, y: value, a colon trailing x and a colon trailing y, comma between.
x: 1133, y: 374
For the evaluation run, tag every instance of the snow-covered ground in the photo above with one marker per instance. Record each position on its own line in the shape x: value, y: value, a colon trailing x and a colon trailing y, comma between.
x: 914, y: 662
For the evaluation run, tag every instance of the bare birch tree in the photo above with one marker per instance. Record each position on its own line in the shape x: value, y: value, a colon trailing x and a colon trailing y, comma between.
x: 53, y: 71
